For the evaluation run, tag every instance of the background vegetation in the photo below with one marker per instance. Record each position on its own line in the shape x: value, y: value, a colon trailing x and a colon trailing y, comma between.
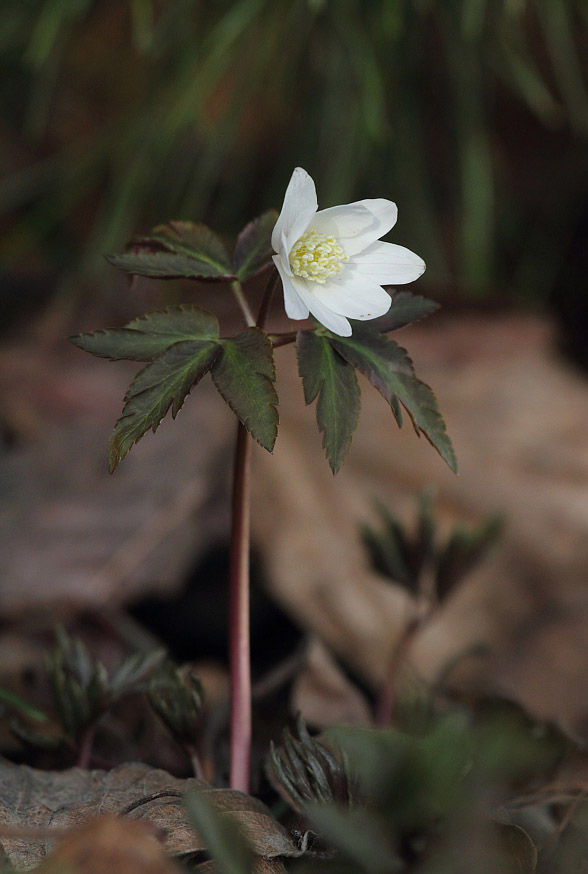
x: 472, y: 115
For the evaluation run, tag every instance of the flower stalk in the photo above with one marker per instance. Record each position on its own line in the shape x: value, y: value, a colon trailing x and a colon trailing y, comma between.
x: 239, y: 646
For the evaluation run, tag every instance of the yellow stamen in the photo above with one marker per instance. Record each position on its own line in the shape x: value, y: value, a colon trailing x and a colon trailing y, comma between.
x: 316, y: 256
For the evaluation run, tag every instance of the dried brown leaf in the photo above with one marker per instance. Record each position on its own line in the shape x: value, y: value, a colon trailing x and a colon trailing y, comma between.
x: 109, y: 844
x: 68, y: 799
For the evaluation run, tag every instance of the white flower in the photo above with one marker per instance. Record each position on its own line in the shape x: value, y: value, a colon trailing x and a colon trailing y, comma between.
x: 332, y: 262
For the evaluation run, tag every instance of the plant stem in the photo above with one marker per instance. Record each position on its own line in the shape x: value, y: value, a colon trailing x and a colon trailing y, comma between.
x: 195, y: 761
x: 243, y: 305
x: 239, y: 642
x: 268, y: 294
x: 85, y: 747
x: 239, y: 654
x: 387, y: 697
x: 283, y: 339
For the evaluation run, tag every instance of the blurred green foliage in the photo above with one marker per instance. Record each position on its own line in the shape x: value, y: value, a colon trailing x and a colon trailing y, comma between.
x: 471, y: 114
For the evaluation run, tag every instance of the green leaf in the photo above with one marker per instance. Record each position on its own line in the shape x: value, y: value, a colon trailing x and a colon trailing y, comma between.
x: 463, y: 550
x: 159, y: 386
x: 166, y: 265
x: 178, y: 249
x: 220, y: 834
x: 326, y: 373
x: 244, y: 374
x: 405, y: 309
x: 390, y: 370
x: 145, y: 338
x: 359, y: 834
x: 254, y: 250
x: 15, y: 702
x: 132, y: 672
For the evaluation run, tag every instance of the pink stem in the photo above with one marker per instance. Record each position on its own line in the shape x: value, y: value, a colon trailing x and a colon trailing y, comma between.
x: 239, y: 652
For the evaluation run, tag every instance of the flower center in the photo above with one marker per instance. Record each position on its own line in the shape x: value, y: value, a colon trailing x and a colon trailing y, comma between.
x: 316, y: 256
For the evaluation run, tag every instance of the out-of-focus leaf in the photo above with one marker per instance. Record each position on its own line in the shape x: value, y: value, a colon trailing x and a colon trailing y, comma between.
x: 146, y: 337
x: 220, y: 834
x: 178, y: 249
x: 389, y: 550
x: 405, y: 309
x: 464, y: 549
x: 177, y: 695
x: 33, y: 738
x: 253, y: 250
x: 133, y: 671
x: 390, y: 370
x: 326, y: 373
x: 163, y: 384
x: 244, y: 374
x: 303, y: 770
x: 16, y: 702
x: 358, y: 835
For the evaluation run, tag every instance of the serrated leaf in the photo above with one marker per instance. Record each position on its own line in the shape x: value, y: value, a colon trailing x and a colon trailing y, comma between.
x: 404, y: 309
x: 253, y: 250
x: 159, y: 386
x: 390, y: 370
x: 146, y: 337
x: 244, y: 374
x: 221, y: 835
x: 178, y: 249
x: 167, y: 265
x: 326, y: 373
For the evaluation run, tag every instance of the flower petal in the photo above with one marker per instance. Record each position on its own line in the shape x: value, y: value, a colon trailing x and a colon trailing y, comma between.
x: 300, y: 204
x: 354, y: 295
x: 293, y: 304
x: 356, y: 226
x: 389, y: 264
x: 324, y: 314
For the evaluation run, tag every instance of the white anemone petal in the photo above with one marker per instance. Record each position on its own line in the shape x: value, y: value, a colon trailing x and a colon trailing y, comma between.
x: 335, y: 322
x: 356, y: 226
x: 293, y: 304
x: 300, y: 204
x: 389, y: 264
x: 353, y: 295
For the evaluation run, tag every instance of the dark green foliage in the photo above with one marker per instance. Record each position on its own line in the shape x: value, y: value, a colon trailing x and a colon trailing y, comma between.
x: 192, y: 251
x: 79, y: 685
x: 10, y: 700
x: 462, y: 552
x: 253, y: 250
x: 146, y: 337
x: 405, y: 309
x: 81, y: 688
x: 178, y: 249
x: 390, y: 370
x: 304, y: 770
x: 326, y: 373
x: 244, y: 374
x: 162, y: 384
x: 326, y: 363
x: 411, y: 557
x: 441, y: 800
x: 176, y: 694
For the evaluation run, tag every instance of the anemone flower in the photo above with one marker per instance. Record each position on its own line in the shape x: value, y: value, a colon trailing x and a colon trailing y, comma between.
x: 332, y: 262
